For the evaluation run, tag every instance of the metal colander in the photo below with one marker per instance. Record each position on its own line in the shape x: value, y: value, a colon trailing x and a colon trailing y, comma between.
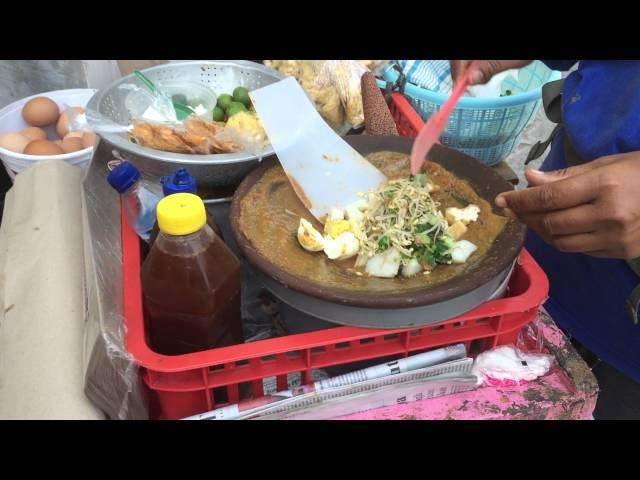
x: 222, y: 76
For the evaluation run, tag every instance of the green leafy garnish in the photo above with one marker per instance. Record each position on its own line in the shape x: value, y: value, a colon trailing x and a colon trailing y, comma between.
x: 404, y: 216
x: 383, y: 244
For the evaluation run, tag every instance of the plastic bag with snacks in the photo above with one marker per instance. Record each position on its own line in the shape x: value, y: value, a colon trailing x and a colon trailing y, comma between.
x: 290, y: 68
x: 193, y: 136
x: 333, y: 85
x: 246, y: 130
x: 345, y: 75
x: 374, y: 66
x: 324, y: 93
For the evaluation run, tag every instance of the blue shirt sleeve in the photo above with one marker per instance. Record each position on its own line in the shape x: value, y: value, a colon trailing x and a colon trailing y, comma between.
x: 601, y: 107
x: 562, y: 65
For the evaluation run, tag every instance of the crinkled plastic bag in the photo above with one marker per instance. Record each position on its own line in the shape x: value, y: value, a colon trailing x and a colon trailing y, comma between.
x: 530, y: 338
x: 112, y: 376
x: 250, y: 143
x: 507, y: 365
x: 334, y: 87
x: 318, y: 83
x: 167, y: 137
x: 112, y: 379
x: 141, y: 103
x: 346, y: 75
x: 374, y: 66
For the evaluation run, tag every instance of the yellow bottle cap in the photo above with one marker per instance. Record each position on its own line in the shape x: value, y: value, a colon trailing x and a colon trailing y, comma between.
x: 181, y: 214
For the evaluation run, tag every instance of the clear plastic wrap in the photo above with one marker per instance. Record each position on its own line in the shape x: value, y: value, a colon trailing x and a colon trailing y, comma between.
x: 517, y: 364
x: 333, y: 85
x: 246, y: 130
x: 77, y: 121
x: 112, y: 376
x: 530, y: 338
x: 78, y: 124
x: 374, y: 66
x: 290, y: 68
x: 112, y: 379
x: 319, y: 85
x: 194, y: 135
x: 346, y: 75
x: 507, y: 365
x: 142, y: 103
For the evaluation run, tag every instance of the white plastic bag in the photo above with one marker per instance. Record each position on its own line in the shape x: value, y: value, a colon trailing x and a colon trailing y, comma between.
x: 508, y: 366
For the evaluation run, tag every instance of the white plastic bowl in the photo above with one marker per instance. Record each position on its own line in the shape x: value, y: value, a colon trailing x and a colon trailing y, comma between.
x: 11, y: 121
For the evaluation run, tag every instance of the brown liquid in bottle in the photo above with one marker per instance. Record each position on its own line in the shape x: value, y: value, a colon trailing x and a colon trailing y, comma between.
x: 191, y: 287
x: 155, y: 231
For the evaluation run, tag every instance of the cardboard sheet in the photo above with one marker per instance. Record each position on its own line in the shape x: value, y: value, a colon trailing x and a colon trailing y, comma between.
x: 42, y: 298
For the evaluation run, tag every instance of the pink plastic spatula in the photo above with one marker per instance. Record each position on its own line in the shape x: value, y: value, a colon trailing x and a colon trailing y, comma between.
x: 432, y: 130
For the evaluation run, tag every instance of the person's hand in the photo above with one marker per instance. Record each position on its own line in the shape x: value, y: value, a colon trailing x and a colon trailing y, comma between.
x: 486, y: 69
x: 592, y: 208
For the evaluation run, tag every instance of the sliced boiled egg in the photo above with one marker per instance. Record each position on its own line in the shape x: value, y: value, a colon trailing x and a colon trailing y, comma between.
x: 309, y: 238
x: 335, y: 229
x: 344, y: 246
x: 335, y: 215
x: 355, y: 212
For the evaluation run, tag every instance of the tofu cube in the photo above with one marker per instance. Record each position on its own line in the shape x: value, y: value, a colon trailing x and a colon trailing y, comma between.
x: 457, y: 230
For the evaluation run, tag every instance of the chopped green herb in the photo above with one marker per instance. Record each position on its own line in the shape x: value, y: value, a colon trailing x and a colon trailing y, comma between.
x: 383, y: 244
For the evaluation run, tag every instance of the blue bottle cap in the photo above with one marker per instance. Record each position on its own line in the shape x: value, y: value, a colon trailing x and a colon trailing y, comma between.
x: 123, y: 177
x: 179, y: 182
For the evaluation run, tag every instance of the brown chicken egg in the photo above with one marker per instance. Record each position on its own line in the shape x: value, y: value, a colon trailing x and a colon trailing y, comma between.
x: 34, y: 133
x: 14, y: 142
x: 73, y: 135
x: 72, y: 144
x: 43, y: 147
x: 89, y: 139
x: 40, y: 112
x: 62, y: 127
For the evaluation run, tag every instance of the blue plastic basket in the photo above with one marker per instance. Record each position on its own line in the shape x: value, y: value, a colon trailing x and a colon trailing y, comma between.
x: 485, y: 128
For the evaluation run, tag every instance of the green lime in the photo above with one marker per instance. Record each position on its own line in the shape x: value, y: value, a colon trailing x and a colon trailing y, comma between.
x: 224, y: 101
x: 241, y: 95
x: 235, y: 107
x: 218, y: 114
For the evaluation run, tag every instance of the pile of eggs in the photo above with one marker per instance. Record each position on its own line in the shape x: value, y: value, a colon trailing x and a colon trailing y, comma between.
x: 41, y: 112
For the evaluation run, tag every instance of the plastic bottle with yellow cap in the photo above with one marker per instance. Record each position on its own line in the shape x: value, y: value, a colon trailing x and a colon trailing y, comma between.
x: 181, y: 181
x: 190, y: 282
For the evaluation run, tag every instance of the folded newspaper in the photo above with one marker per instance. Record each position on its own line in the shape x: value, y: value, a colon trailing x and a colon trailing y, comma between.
x: 415, y: 385
x: 422, y: 376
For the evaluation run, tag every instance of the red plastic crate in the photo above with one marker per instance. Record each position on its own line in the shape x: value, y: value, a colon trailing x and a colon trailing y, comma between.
x: 185, y: 385
x: 407, y: 119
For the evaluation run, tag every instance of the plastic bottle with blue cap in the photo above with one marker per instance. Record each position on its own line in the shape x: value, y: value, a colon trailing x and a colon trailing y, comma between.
x: 139, y: 202
x: 181, y: 181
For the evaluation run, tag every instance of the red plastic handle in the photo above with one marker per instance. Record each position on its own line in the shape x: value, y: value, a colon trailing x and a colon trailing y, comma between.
x: 432, y: 130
